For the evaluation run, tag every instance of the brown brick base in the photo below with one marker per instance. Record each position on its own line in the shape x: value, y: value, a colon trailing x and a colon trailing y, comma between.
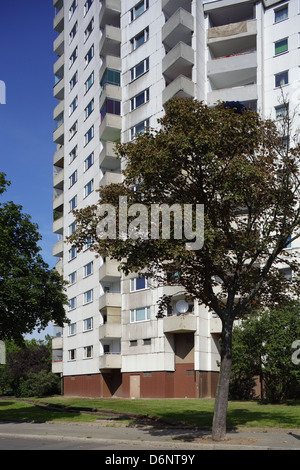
x: 184, y: 382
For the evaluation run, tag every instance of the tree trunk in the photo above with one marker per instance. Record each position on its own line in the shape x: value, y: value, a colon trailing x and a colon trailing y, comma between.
x: 221, y: 401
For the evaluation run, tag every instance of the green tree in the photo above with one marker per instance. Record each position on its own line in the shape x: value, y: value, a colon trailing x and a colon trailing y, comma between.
x: 28, y: 369
x: 262, y: 346
x: 31, y: 294
x: 237, y: 166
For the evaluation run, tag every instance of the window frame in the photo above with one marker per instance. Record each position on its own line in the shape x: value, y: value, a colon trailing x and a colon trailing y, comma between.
x: 89, y: 161
x: 89, y: 188
x: 86, y: 354
x: 133, y: 11
x: 133, y: 74
x: 277, y: 76
x: 279, y: 9
x: 145, y: 94
x: 85, y: 274
x: 88, y: 297
x: 135, y: 40
x: 281, y: 41
x: 133, y: 314
x: 133, y: 284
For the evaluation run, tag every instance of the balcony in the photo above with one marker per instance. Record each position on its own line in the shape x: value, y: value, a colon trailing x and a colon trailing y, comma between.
x: 108, y: 159
x: 232, y: 38
x: 58, y: 157
x: 110, y: 299
x: 180, y: 323
x: 110, y: 41
x: 110, y: 331
x: 110, y: 127
x: 59, y: 267
x: 58, y: 249
x: 58, y: 225
x: 58, y: 21
x: 178, y: 28
x: 179, y: 61
x: 170, y: 6
x: 241, y: 93
x: 57, y: 367
x: 58, y: 180
x: 58, y: 201
x: 110, y: 62
x: 110, y: 361
x: 232, y: 71
x: 59, y: 134
x: 113, y: 92
x: 181, y: 87
x: 111, y: 178
x: 109, y: 271
x: 215, y: 325
x: 110, y: 13
x: 58, y: 110
x: 59, y: 44
x: 59, y: 89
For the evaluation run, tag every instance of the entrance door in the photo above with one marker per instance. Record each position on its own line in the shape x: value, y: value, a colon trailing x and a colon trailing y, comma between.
x: 135, y: 386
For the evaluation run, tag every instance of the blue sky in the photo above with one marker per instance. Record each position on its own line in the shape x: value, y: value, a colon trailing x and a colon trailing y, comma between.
x: 26, y: 122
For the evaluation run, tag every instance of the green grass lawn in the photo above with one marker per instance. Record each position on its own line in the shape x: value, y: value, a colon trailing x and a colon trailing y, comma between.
x: 198, y: 412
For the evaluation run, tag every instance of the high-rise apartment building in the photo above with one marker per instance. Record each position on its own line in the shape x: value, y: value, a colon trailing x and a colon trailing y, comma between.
x: 118, y: 63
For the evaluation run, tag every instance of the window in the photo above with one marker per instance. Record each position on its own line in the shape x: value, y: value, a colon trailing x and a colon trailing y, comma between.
x: 73, y: 178
x: 72, y: 228
x: 89, y: 29
x: 139, y: 128
x: 88, y: 188
x: 72, y: 354
x: 89, y: 109
x: 87, y: 6
x: 73, y: 32
x: 281, y: 46
x: 139, y: 314
x: 73, y: 105
x: 73, y: 203
x: 73, y: 80
x: 281, y: 78
x: 73, y: 154
x: 281, y: 13
x: 139, y: 283
x: 72, y: 303
x: 72, y: 9
x: 89, y: 56
x: 89, y: 161
x: 133, y: 342
x: 139, y: 39
x: 88, y: 269
x: 146, y: 341
x: 89, y: 135
x: 139, y: 9
x: 72, y: 329
x: 110, y: 106
x: 139, y: 99
x: 88, y: 324
x: 88, y: 297
x: 72, y: 278
x: 89, y: 82
x: 282, y: 111
x: 72, y: 253
x: 73, y: 56
x: 141, y: 68
x: 88, y: 352
x: 113, y: 77
x: 73, y: 130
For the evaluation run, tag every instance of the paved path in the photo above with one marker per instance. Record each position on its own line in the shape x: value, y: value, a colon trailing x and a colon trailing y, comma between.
x: 163, y: 438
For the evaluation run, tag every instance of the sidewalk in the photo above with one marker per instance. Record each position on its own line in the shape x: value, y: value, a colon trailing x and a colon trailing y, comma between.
x: 162, y: 438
